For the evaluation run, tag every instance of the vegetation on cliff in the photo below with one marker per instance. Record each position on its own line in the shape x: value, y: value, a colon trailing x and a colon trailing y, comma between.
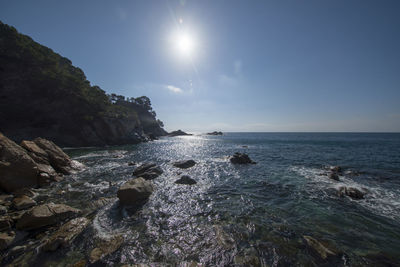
x: 43, y: 94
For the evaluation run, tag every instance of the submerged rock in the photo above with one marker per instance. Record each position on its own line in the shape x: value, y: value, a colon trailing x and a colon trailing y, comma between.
x: 241, y: 158
x: 66, y: 234
x: 23, y: 202
x: 134, y: 191
x: 333, y: 176
x: 319, y: 249
x: 352, y: 192
x: 105, y: 247
x: 17, y: 168
x: 184, y: 164
x: 46, y: 214
x: 185, y: 179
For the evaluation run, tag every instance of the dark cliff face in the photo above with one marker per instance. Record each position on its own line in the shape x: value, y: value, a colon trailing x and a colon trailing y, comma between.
x: 43, y: 94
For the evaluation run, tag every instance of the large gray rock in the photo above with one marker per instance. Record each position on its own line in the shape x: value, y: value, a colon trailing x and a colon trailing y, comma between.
x: 134, y: 191
x: 57, y: 158
x: 66, y: 234
x: 184, y: 164
x: 17, y: 168
x: 46, y: 214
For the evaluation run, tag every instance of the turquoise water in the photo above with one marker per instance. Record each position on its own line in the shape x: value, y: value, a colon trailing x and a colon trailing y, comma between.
x: 246, y: 215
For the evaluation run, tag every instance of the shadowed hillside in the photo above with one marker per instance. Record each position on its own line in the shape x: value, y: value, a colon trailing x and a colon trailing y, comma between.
x: 43, y: 94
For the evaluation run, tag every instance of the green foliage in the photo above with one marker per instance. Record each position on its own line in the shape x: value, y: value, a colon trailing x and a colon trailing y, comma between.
x: 54, y: 77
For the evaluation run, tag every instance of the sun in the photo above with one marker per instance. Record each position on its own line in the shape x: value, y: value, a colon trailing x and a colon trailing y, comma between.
x: 184, y: 44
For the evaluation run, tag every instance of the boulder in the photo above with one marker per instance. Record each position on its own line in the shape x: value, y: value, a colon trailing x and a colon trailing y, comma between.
x: 35, y: 152
x: 57, y: 158
x: 185, y: 179
x: 241, y: 158
x: 352, y: 192
x: 184, y: 164
x: 46, y: 214
x: 105, y: 247
x: 134, y: 191
x: 3, y: 210
x: 17, y: 168
x: 149, y: 175
x: 6, y: 239
x: 143, y: 168
x: 23, y: 202
x: 336, y: 169
x: 66, y: 234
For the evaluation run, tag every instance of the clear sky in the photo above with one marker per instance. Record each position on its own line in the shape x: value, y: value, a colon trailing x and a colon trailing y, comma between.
x: 312, y: 65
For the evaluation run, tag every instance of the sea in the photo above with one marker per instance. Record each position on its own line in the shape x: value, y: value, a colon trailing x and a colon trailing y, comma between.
x: 262, y: 214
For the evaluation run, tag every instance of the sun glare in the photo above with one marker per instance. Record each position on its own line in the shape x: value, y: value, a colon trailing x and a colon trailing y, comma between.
x: 184, y: 44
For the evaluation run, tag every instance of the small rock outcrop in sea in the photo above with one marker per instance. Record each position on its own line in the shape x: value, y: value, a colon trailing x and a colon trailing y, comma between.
x: 34, y: 163
x: 215, y: 133
x: 334, y: 172
x: 185, y: 179
x: 178, y: 133
x: 352, y: 192
x: 241, y: 158
x: 134, y: 191
x: 148, y: 171
x: 184, y: 164
x: 46, y: 214
x: 66, y: 234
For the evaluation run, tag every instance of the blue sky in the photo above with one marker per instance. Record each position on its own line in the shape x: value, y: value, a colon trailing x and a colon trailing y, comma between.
x: 255, y: 65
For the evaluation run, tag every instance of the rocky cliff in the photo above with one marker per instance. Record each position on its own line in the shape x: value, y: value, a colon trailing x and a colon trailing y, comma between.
x: 43, y: 94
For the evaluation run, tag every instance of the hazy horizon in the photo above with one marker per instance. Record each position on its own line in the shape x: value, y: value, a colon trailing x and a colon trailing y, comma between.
x: 310, y: 66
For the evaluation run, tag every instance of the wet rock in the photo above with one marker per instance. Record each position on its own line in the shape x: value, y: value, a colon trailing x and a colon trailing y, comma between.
x: 143, y: 168
x: 17, y: 168
x: 336, y: 169
x: 134, y: 191
x: 184, y: 164
x: 46, y: 214
x: 3, y: 210
x: 241, y: 158
x: 66, y: 234
x: 23, y: 202
x: 352, y: 192
x: 105, y: 247
x: 5, y: 198
x: 81, y: 263
x: 333, y: 176
x: 16, y: 251
x: 57, y: 158
x: 131, y: 163
x: 5, y: 223
x: 185, y: 179
x: 24, y: 192
x: 95, y: 205
x: 6, y: 239
x: 149, y: 175
x: 319, y: 249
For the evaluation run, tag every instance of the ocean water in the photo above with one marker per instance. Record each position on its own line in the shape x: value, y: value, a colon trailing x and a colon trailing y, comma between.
x: 244, y: 215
